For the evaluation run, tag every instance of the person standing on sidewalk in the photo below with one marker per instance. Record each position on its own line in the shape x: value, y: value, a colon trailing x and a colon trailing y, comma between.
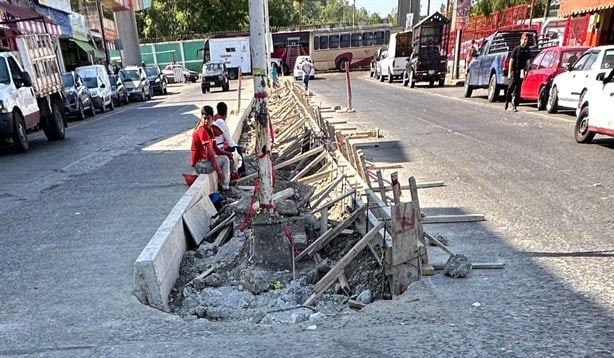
x: 520, y: 61
x: 306, y: 67
x: 224, y: 141
x: 205, y: 157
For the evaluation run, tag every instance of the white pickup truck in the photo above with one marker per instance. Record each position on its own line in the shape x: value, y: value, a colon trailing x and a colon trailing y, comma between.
x: 31, y: 94
x: 599, y: 98
x: 394, y: 60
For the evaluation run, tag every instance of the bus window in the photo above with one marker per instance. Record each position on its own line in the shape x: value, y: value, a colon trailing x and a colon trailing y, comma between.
x: 367, y: 38
x: 379, y: 37
x: 356, y: 40
x: 345, y: 40
x: 323, y: 42
x: 387, y: 37
x: 316, y: 42
x: 333, y: 41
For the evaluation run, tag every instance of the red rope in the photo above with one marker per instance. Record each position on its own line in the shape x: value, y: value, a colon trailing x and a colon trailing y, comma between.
x: 396, y: 183
x: 250, y: 209
x: 288, y: 233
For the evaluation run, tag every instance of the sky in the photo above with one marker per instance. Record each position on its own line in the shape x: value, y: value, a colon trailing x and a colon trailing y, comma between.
x: 384, y: 7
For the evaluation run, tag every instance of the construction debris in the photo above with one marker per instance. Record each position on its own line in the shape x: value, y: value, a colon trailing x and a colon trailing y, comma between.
x: 328, y: 249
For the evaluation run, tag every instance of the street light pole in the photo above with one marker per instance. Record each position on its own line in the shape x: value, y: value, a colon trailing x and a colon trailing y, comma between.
x: 104, y: 38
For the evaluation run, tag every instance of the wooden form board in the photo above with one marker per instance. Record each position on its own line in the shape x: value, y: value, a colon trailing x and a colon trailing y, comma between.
x: 198, y: 218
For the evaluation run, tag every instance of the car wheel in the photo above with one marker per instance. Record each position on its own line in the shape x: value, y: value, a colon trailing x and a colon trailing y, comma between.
x: 55, y: 127
x: 81, y: 110
x: 581, y: 132
x: 467, y: 89
x: 493, y: 89
x: 442, y: 82
x: 381, y: 77
x: 143, y: 97
x: 20, y: 138
x: 431, y: 82
x: 371, y: 73
x: 542, y: 98
x: 552, y: 105
x: 232, y: 75
x: 203, y: 90
x: 412, y: 80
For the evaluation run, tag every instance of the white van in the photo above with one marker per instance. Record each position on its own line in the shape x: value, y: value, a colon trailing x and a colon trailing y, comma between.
x: 97, y: 79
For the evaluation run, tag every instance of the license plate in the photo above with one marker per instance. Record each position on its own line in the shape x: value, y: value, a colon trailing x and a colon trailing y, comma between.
x: 431, y: 72
x: 212, y: 83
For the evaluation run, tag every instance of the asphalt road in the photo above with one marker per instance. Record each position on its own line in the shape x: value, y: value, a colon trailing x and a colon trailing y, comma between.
x: 76, y: 214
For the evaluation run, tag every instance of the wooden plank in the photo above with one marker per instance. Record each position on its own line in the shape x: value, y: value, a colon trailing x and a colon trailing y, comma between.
x: 355, y: 304
x: 405, y: 231
x: 198, y: 218
x: 438, y: 243
x: 334, y: 201
x: 443, y: 219
x: 345, y: 285
x: 321, y: 175
x: 330, y: 234
x: 413, y: 189
x: 331, y: 275
x: 218, y: 227
x: 380, y: 182
x: 322, y: 194
x: 288, y: 162
x: 280, y: 195
x: 477, y: 266
x: 310, y: 166
x: 324, y: 219
x: 419, y: 185
x: 396, y: 190
x: 222, y: 236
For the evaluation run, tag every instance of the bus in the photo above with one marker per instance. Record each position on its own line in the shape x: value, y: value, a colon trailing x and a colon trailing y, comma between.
x: 288, y: 45
x: 334, y: 48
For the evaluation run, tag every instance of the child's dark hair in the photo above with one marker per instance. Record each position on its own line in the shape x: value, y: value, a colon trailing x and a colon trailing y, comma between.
x: 222, y: 109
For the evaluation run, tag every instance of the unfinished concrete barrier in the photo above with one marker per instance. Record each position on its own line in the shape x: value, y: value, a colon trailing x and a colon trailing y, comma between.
x: 157, y: 267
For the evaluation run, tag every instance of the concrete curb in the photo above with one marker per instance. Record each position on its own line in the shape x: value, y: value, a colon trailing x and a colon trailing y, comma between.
x: 157, y: 267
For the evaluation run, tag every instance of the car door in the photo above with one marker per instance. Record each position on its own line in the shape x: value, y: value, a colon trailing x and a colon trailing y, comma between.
x: 564, y: 81
x: 581, y: 78
x: 601, y: 103
x: 25, y: 97
x: 533, y: 79
x: 483, y: 64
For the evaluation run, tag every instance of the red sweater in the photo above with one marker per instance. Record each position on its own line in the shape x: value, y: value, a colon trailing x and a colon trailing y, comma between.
x: 201, y: 146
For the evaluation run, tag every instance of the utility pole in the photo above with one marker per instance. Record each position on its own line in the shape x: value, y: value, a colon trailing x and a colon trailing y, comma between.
x: 269, y: 247
x: 104, y: 38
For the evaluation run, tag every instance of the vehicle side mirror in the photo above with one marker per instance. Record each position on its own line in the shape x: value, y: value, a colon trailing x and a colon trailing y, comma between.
x: 102, y: 85
x: 475, y: 53
x: 567, y: 66
x: 25, y: 80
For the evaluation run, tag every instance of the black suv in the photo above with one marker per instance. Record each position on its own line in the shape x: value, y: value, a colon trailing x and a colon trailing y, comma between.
x: 215, y: 74
x: 78, y: 99
x: 156, y: 79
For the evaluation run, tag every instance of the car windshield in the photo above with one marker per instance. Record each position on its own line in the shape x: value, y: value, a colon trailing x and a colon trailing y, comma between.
x: 130, y: 75
x: 151, y: 71
x: 214, y: 66
x: 91, y: 82
x: 68, y: 80
x: 4, y: 73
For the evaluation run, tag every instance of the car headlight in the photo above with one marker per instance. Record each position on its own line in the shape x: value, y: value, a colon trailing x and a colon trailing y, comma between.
x: 157, y: 80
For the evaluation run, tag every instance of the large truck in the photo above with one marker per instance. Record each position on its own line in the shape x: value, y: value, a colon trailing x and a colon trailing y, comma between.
x: 31, y: 93
x: 394, y: 60
x: 234, y: 52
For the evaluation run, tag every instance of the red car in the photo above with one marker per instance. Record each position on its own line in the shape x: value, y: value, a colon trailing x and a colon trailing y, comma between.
x: 547, y: 64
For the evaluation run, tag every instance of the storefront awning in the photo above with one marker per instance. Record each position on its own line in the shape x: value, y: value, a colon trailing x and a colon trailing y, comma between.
x: 85, y: 46
x: 28, y: 21
x: 580, y: 7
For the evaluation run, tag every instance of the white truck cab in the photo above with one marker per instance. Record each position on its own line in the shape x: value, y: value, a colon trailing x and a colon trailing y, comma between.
x: 30, y: 99
x: 394, y: 60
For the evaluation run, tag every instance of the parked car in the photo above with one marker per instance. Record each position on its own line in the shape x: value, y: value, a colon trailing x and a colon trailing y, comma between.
x: 78, y: 99
x: 118, y: 90
x: 188, y: 75
x: 298, y: 72
x: 375, y: 60
x: 101, y: 94
x: 215, y: 74
x: 96, y: 77
x: 490, y: 65
x: 569, y: 87
x: 136, y: 82
x: 547, y: 64
x: 157, y: 79
x: 599, y: 100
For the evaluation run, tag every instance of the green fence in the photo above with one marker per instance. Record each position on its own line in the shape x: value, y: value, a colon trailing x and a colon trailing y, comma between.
x: 162, y: 53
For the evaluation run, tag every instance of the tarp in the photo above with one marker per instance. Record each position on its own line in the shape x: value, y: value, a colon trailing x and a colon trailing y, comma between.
x: 32, y: 22
x: 87, y: 47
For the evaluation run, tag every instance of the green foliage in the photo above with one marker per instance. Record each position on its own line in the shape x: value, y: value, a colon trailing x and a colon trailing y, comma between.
x: 184, y: 19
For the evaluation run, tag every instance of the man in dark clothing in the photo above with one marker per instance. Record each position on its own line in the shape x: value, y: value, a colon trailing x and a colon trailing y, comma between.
x: 520, y: 61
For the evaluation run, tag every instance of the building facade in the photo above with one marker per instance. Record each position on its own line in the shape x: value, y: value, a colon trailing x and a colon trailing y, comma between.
x: 599, y: 15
